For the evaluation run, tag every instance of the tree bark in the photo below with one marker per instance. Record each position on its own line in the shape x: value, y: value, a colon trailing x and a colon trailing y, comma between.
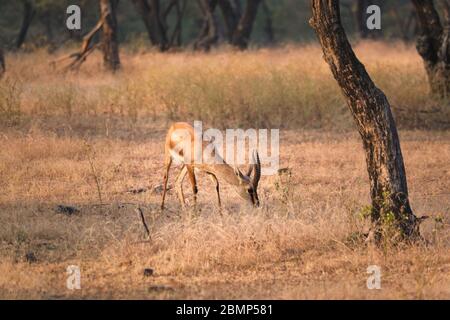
x: 177, y: 33
x: 28, y: 14
x: 110, y: 44
x: 230, y: 16
x: 268, y: 24
x: 373, y: 117
x: 433, y: 45
x: 151, y: 15
x: 209, y: 34
x: 239, y: 25
x: 243, y: 30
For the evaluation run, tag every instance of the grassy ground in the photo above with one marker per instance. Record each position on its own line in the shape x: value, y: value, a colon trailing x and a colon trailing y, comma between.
x: 95, y: 141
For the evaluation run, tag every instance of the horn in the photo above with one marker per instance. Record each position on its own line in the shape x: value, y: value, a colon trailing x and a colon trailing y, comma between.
x: 257, y: 166
x: 249, y: 170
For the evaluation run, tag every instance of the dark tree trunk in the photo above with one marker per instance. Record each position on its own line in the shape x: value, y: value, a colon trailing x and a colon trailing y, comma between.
x: 47, y: 21
x: 46, y: 18
x: 176, y: 38
x: 145, y: 12
x: 110, y: 44
x: 403, y: 24
x: 241, y: 35
x: 159, y: 25
x: 151, y: 15
x: 433, y: 45
x: 230, y: 16
x: 268, y: 24
x: 209, y: 33
x: 2, y: 63
x: 28, y: 14
x: 237, y: 4
x: 239, y: 25
x: 372, y: 114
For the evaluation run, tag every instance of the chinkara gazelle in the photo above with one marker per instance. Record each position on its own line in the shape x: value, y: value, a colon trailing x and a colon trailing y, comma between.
x: 181, y: 135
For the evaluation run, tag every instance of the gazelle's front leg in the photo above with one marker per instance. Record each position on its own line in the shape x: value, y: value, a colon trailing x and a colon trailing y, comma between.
x: 179, y: 185
x: 193, y: 181
x: 166, y: 178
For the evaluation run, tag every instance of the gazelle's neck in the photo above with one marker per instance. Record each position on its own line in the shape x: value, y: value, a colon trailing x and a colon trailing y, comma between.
x: 215, y: 164
x: 223, y: 172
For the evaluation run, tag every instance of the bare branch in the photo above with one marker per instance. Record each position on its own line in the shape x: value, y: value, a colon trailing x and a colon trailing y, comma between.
x: 86, y: 48
x: 139, y: 210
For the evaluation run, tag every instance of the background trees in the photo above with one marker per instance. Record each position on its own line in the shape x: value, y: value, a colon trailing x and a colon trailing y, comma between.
x: 433, y: 44
x: 28, y: 14
x: 152, y: 16
x: 168, y: 23
x: 239, y: 24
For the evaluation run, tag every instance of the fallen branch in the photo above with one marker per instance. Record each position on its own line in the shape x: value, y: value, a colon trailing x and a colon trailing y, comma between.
x: 139, y: 210
x: 86, y: 49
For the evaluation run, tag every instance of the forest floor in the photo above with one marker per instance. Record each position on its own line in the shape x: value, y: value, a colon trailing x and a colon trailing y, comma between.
x: 87, y: 142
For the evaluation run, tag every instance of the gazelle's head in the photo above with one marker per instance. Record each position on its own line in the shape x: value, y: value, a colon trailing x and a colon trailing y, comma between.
x: 248, y: 183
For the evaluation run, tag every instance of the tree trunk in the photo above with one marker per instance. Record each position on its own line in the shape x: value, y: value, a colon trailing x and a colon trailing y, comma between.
x: 159, y: 25
x: 144, y: 10
x: 176, y: 38
x: 209, y: 34
x: 268, y: 24
x: 110, y: 45
x: 28, y: 14
x: 239, y: 25
x: 47, y: 22
x: 151, y: 15
x: 230, y: 16
x: 433, y: 45
x: 243, y: 30
x: 372, y: 114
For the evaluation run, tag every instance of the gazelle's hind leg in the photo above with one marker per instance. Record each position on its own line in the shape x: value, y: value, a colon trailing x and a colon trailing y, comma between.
x: 193, y: 181
x: 214, y: 179
x: 179, y: 185
x: 166, y: 178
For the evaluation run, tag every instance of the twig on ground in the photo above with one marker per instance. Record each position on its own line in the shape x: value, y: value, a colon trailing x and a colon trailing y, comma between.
x: 139, y: 210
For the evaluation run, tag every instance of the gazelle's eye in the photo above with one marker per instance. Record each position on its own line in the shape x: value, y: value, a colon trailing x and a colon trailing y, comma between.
x: 250, y: 191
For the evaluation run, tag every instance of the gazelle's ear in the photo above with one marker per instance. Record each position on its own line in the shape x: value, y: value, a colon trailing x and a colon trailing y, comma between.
x: 257, y: 168
x: 249, y: 170
x: 252, y: 164
x: 238, y: 174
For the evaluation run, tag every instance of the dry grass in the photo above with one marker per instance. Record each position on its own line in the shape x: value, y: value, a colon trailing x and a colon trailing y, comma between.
x: 73, y: 137
x: 289, y: 87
